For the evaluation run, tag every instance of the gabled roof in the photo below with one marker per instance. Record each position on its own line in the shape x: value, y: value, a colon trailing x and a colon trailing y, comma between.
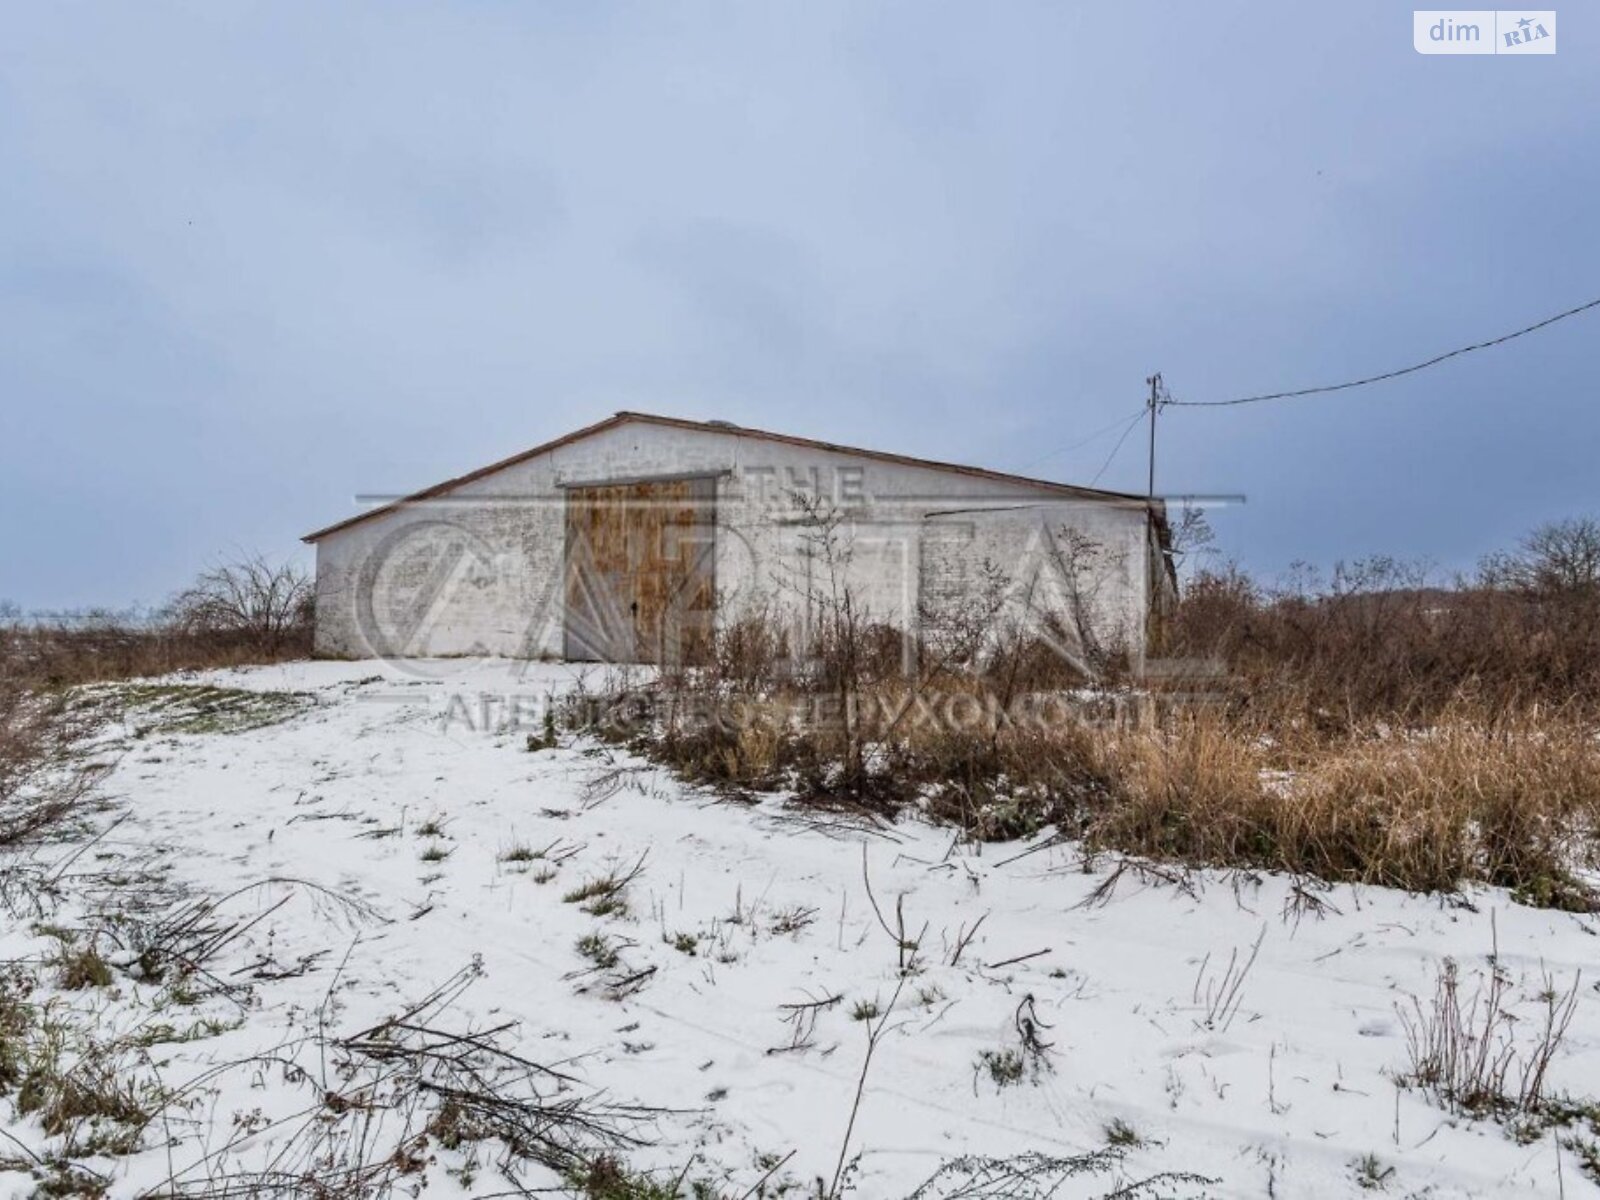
x: 725, y: 428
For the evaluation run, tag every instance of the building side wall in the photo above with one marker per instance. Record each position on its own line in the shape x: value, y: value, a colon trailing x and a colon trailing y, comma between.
x: 479, y: 571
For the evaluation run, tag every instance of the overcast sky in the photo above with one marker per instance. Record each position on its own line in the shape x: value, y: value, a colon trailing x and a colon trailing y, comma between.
x: 256, y: 259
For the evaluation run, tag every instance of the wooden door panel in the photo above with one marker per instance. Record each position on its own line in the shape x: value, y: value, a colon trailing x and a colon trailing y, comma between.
x: 599, y: 620
x: 641, y: 570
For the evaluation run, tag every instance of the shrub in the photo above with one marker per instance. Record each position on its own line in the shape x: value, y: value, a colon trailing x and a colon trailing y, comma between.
x: 245, y: 612
x: 1380, y: 640
x: 259, y: 603
x: 1470, y: 1056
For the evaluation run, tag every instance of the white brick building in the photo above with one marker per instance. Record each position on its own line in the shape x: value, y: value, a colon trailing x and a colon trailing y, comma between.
x: 631, y: 539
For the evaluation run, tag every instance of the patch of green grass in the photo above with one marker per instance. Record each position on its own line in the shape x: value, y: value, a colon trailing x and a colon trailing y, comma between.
x: 16, y: 1019
x: 546, y: 738
x: 1587, y: 1151
x: 592, y: 889
x: 519, y: 852
x: 1119, y: 1133
x: 864, y: 1010
x: 599, y: 949
x: 163, y: 1034
x: 608, y: 1178
x: 1005, y: 1067
x: 603, y: 897
x: 179, y: 995
x: 1371, y: 1175
x: 1556, y: 888
x: 792, y: 920
x: 78, y: 968
x: 612, y: 905
x: 683, y: 943
x: 188, y: 708
x: 82, y: 1090
x: 53, y: 1180
x: 1578, y: 1121
x: 433, y: 827
x: 435, y: 852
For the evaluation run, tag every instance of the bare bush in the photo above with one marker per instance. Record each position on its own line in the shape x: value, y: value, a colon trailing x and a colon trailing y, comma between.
x: 1467, y: 1053
x: 1219, y: 997
x: 1380, y: 639
x: 258, y: 602
x: 1034, y: 1176
x: 236, y: 614
x: 1084, y: 565
x: 1191, y: 537
x: 1558, y: 560
x: 382, y: 1101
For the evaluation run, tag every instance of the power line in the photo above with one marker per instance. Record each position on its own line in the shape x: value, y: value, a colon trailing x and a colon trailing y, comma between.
x: 1101, y: 432
x: 1339, y: 387
x: 1137, y: 417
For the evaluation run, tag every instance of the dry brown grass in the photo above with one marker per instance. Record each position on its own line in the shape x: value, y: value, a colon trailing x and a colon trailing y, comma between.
x: 1372, y: 728
x: 1377, y: 641
x: 1511, y: 800
x: 1193, y: 791
x: 246, y: 611
x: 52, y: 657
x: 39, y: 787
x: 1476, y: 791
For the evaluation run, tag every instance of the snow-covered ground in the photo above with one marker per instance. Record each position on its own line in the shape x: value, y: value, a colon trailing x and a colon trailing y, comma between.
x: 1286, y: 1098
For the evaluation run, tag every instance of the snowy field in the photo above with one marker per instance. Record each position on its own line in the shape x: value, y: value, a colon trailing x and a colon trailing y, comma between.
x: 465, y: 845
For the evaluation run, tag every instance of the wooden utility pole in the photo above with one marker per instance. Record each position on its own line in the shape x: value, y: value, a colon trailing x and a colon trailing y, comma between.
x: 1155, y: 392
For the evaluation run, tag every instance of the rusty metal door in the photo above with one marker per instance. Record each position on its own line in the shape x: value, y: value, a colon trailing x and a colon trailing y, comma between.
x: 640, y: 570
